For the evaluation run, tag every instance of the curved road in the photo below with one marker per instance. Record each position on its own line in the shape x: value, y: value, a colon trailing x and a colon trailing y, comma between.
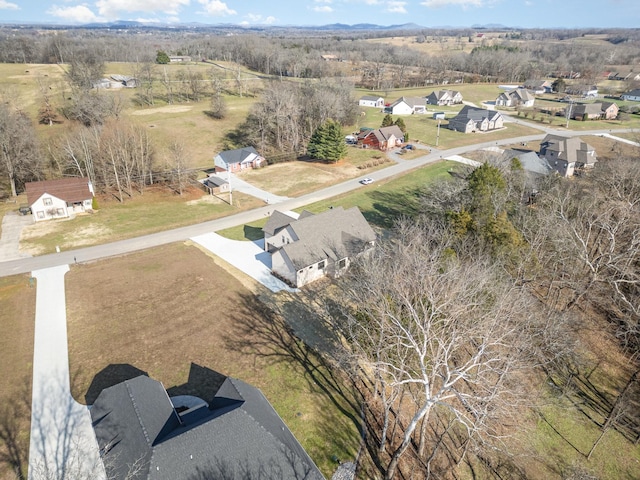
x: 181, y: 234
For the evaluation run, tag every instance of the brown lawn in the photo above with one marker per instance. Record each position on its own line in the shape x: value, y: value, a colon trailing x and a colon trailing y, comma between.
x: 167, y: 311
x: 17, y: 314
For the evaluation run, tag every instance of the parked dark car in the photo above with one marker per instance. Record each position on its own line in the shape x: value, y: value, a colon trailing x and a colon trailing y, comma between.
x: 24, y: 209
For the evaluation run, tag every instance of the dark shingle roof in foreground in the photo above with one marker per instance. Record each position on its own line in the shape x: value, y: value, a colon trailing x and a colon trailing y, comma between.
x: 237, y: 436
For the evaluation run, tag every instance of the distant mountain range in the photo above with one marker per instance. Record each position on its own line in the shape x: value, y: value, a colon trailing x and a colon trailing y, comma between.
x: 129, y: 24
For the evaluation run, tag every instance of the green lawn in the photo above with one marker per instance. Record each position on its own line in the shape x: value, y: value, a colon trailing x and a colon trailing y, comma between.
x: 381, y: 203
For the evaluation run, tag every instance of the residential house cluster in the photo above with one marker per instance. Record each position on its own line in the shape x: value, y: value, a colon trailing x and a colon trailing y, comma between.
x: 312, y: 246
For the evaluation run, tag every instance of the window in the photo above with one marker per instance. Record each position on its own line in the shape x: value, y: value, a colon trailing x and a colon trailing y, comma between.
x: 322, y: 264
x: 40, y: 214
x: 60, y: 212
x: 47, y: 201
x: 342, y: 263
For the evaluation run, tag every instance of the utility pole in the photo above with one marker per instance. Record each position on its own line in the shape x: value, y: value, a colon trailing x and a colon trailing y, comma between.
x: 569, y: 111
x: 229, y: 182
x: 438, y: 133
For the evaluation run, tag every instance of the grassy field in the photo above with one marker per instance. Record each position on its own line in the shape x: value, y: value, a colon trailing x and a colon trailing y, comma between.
x: 17, y: 313
x: 193, y: 312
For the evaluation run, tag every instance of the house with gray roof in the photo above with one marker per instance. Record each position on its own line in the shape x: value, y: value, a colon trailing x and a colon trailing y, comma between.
x: 567, y: 154
x: 407, y: 106
x: 444, y: 97
x: 371, y: 101
x: 473, y: 119
x: 382, y: 138
x: 143, y: 433
x: 238, y: 159
x: 316, y: 245
x: 518, y: 97
x: 631, y: 96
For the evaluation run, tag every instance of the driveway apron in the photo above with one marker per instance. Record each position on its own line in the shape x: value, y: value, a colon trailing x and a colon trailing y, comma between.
x: 63, y: 444
x: 249, y: 257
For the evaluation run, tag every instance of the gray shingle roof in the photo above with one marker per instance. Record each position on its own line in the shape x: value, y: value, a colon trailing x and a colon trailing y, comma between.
x: 238, y: 155
x: 238, y: 436
x: 530, y: 161
x: 476, y: 114
x: 276, y: 221
x: 566, y: 148
x: 334, y: 234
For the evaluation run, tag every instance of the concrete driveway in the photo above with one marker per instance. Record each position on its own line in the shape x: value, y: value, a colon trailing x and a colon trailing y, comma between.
x: 62, y: 443
x: 239, y: 185
x: 248, y: 257
x: 12, y: 225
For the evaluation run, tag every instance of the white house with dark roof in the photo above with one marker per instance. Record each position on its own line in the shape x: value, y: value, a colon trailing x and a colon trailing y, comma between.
x: 143, y: 433
x: 407, y: 106
x: 239, y: 159
x: 371, y: 101
x: 316, y: 245
x: 566, y: 154
x: 473, y: 119
x: 518, y: 97
x: 60, y: 198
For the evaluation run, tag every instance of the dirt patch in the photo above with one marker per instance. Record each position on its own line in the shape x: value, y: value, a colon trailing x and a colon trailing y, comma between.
x: 37, y: 230
x: 87, y: 235
x: 167, y: 109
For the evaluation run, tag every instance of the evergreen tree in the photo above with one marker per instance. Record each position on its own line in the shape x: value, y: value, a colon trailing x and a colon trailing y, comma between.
x: 327, y: 142
x: 387, y: 121
x: 400, y: 124
x: 162, y: 58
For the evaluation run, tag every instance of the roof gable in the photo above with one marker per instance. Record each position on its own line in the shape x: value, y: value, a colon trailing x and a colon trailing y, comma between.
x: 276, y: 221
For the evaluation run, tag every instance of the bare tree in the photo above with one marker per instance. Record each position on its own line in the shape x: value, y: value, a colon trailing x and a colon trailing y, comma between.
x: 19, y: 157
x: 435, y: 337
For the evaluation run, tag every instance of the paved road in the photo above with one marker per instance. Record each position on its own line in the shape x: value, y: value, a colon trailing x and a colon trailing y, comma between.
x: 62, y: 443
x: 180, y: 234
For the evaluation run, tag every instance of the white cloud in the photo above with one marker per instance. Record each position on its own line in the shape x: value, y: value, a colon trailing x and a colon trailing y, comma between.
x: 216, y: 8
x: 323, y: 1
x: 396, y: 7
x: 323, y: 9
x: 258, y: 18
x: 75, y: 14
x: 113, y: 9
x: 460, y: 3
x: 4, y: 5
x: 147, y: 20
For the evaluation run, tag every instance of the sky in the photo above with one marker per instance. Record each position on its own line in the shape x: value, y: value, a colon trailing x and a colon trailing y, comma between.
x: 427, y: 13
